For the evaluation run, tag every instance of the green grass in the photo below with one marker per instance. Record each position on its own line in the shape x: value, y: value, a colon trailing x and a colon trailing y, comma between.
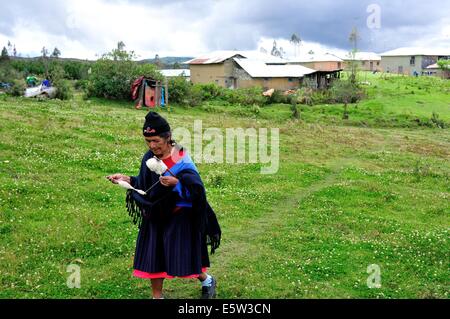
x: 346, y: 196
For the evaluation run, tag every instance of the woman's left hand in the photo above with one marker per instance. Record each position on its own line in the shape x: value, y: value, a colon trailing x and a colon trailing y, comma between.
x: 168, y: 181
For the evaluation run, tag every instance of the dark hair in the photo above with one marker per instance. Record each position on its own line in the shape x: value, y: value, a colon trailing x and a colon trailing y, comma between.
x: 167, y: 136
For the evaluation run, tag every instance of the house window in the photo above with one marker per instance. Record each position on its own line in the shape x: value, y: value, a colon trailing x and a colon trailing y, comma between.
x: 412, y: 61
x: 363, y: 62
x: 378, y: 63
x: 290, y: 80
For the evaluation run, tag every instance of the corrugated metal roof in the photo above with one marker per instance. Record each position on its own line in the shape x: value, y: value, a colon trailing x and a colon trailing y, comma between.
x: 433, y: 66
x: 316, y: 58
x: 214, y: 57
x: 363, y: 56
x: 259, y: 69
x: 411, y: 51
x: 176, y: 72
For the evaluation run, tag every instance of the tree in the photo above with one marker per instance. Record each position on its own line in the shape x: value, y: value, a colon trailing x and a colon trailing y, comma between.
x: 9, y: 48
x: 353, y: 38
x: 112, y: 75
x: 295, y: 41
x: 56, y: 53
x: 275, y: 51
x: 120, y: 46
x: 157, y: 61
x: 4, y: 55
x: 444, y: 65
x: 44, y: 52
x: 120, y: 54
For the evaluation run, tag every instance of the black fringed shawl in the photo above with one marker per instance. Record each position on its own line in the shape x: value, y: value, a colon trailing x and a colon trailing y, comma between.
x: 158, y: 204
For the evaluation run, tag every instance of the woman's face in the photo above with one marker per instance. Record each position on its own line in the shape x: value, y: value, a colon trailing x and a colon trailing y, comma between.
x: 158, y: 145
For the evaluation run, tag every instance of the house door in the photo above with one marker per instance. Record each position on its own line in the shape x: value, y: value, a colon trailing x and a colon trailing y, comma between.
x: 400, y: 70
x: 371, y: 66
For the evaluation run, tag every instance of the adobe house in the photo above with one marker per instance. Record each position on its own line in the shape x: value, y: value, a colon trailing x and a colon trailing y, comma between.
x: 238, y: 69
x: 319, y: 62
x: 411, y: 61
x: 216, y: 67
x: 436, y: 70
x: 250, y: 73
x: 366, y: 61
x: 328, y: 67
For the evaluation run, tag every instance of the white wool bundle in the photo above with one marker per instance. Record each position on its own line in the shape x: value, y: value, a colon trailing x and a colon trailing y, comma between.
x: 156, y: 165
x: 128, y: 186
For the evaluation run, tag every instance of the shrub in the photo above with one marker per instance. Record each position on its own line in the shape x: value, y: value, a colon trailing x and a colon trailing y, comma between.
x: 64, y: 89
x: 57, y: 75
x: 247, y: 96
x: 210, y: 91
x: 18, y: 88
x: 194, y: 96
x: 436, y: 121
x: 112, y: 75
x: 277, y: 97
x: 345, y: 92
x: 81, y: 85
x: 179, y: 90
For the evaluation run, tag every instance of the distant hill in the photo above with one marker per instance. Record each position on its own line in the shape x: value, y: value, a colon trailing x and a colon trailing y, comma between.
x: 39, y: 57
x: 168, y: 60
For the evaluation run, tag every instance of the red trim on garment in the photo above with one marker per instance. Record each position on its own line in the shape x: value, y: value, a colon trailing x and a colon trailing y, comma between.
x: 172, y: 160
x: 156, y: 275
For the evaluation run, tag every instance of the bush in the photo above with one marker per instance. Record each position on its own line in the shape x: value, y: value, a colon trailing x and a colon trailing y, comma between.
x: 436, y: 121
x: 76, y: 70
x: 247, y: 97
x: 81, y: 85
x: 64, y: 89
x: 321, y: 97
x: 179, y: 90
x: 7, y: 73
x: 345, y: 92
x: 112, y: 75
x: 194, y: 96
x: 57, y: 76
x: 18, y: 88
x: 210, y: 91
x: 277, y: 97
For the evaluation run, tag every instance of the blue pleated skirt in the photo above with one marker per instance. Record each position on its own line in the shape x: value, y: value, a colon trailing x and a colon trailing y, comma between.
x: 173, y: 247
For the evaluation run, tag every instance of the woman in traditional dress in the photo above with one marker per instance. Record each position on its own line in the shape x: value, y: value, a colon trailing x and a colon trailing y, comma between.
x: 176, y: 223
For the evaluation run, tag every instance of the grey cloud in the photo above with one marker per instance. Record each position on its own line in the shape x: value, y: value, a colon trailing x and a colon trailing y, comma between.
x: 238, y: 24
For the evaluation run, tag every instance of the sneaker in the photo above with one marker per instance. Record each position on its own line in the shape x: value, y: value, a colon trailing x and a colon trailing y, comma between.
x: 209, y: 292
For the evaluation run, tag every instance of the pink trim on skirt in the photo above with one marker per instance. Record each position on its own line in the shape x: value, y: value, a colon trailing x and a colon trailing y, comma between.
x: 155, y: 275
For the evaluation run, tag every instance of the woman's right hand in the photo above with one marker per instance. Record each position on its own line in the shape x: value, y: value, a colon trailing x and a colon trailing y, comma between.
x: 115, y: 178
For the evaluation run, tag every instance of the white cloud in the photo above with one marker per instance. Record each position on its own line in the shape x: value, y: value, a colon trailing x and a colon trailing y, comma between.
x: 88, y: 28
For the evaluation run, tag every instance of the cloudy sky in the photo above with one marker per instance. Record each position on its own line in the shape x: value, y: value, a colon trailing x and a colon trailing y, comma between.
x: 86, y: 29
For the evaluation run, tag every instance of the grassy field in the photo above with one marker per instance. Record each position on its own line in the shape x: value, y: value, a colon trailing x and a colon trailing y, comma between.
x: 371, y: 190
